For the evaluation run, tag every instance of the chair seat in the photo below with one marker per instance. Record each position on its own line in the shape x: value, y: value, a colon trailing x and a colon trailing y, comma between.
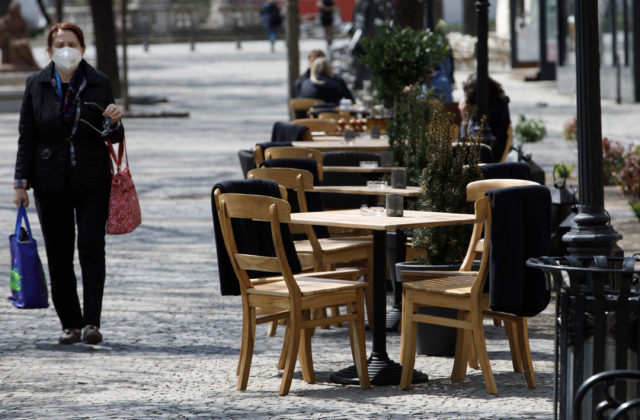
x: 331, y: 245
x: 309, y: 286
x: 459, y: 285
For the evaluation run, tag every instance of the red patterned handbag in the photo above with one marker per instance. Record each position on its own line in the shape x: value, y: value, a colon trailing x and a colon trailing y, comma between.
x: 124, y: 208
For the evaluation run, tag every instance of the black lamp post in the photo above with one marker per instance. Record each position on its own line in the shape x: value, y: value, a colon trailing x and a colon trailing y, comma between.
x: 591, y: 234
x: 482, y: 72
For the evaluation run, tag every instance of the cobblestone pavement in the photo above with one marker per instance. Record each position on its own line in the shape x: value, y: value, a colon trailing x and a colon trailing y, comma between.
x: 171, y: 341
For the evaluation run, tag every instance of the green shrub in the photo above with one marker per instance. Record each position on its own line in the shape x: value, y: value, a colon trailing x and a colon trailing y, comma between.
x: 400, y: 57
x: 530, y: 131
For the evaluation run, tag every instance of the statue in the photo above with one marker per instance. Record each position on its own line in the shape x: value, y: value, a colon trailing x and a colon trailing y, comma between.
x: 16, y: 53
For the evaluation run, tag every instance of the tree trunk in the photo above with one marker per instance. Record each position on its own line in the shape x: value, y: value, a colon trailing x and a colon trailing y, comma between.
x: 470, y: 18
x: 409, y: 13
x: 292, y: 28
x: 105, y: 34
x: 59, y: 10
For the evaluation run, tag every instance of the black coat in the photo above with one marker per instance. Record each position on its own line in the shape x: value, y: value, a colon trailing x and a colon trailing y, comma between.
x: 43, y: 146
x: 332, y: 90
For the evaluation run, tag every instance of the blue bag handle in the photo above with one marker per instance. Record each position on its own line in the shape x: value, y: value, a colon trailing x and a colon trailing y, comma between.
x: 22, y: 214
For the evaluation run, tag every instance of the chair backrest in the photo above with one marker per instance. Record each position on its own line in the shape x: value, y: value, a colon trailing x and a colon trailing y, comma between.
x: 258, y: 150
x: 507, y: 145
x: 331, y: 116
x: 476, y: 189
x: 282, y: 131
x: 315, y: 124
x: 296, y: 153
x: 513, y: 170
x: 299, y: 181
x: 260, y: 209
x: 298, y: 106
x: 482, y: 209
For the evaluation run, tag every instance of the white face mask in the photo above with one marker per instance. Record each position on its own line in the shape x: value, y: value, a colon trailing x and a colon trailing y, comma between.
x: 67, y: 58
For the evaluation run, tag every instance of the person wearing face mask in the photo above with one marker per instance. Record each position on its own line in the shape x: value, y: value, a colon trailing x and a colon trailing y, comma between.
x: 63, y: 157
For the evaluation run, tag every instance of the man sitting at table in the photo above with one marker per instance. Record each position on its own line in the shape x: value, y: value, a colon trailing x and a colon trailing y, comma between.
x: 313, y: 54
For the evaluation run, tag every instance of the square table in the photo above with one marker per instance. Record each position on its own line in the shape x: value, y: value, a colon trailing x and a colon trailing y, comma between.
x: 382, y: 370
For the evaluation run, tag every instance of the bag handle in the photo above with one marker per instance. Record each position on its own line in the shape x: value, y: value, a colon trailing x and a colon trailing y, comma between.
x: 22, y: 215
x: 117, y: 158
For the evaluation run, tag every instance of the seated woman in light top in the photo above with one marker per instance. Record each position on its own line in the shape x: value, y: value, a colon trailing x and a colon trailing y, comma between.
x: 323, y: 85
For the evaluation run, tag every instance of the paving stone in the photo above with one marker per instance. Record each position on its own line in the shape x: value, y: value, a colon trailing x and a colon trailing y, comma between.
x: 171, y: 341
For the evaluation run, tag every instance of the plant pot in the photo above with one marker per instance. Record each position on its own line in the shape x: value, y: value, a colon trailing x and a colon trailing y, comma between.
x: 433, y: 340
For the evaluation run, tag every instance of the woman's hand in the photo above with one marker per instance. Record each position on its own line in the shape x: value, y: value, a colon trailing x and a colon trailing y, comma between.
x: 20, y: 196
x: 112, y: 111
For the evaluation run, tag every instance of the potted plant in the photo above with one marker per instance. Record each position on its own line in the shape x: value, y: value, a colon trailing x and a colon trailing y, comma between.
x: 444, y: 178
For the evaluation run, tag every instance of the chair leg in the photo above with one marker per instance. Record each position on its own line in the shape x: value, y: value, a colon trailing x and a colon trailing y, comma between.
x: 512, y: 334
x: 473, y: 356
x: 292, y: 351
x: 525, y: 351
x: 409, y: 329
x: 477, y: 331
x: 285, y: 347
x: 273, y: 327
x: 463, y: 346
x: 246, y: 346
x: 304, y: 351
x: 335, y: 311
x: 358, y: 342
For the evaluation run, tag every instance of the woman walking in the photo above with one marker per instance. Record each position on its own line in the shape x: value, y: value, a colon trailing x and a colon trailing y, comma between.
x: 62, y: 155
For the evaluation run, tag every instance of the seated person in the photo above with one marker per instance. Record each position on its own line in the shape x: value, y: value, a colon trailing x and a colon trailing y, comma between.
x: 313, y: 54
x: 498, y: 117
x: 439, y: 82
x: 322, y: 84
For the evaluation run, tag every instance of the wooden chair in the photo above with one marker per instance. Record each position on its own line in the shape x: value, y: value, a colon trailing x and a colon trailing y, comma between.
x: 326, y: 252
x: 507, y: 145
x: 289, y: 298
x: 296, y: 153
x: 464, y: 291
x: 316, y: 124
x: 302, y: 104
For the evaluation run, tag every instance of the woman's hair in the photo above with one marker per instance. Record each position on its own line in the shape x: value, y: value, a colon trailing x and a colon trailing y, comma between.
x: 320, y: 66
x: 65, y: 26
x: 469, y: 87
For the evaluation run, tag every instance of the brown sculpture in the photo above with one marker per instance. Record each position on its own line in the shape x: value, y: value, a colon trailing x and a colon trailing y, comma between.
x: 16, y: 53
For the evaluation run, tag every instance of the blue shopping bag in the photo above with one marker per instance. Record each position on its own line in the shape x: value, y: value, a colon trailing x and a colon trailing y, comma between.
x: 27, y: 280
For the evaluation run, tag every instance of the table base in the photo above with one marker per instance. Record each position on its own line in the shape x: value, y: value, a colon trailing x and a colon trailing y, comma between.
x: 382, y: 371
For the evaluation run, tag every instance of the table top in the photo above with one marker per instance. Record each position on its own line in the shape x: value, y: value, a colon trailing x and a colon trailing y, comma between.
x: 375, y: 146
x: 358, y: 169
x: 353, y: 218
x: 410, y: 191
x: 339, y: 137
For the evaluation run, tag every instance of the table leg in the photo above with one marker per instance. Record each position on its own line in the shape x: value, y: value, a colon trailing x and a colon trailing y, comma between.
x: 396, y: 252
x: 382, y: 370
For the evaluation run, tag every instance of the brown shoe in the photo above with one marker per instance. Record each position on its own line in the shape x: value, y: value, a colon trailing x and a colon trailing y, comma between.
x: 91, y: 335
x: 69, y: 336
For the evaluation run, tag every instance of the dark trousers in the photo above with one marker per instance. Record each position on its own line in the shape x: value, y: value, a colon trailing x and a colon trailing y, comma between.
x: 59, y: 213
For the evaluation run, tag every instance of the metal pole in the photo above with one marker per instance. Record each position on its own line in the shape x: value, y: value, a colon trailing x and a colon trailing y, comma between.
x: 125, y: 70
x: 482, y: 71
x: 293, y: 48
x: 591, y: 233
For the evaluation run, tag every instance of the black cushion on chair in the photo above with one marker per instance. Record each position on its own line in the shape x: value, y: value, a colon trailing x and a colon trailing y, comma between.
x: 251, y: 237
x: 314, y: 200
x: 513, y: 170
x: 288, y: 132
x: 520, y: 229
x: 247, y: 161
